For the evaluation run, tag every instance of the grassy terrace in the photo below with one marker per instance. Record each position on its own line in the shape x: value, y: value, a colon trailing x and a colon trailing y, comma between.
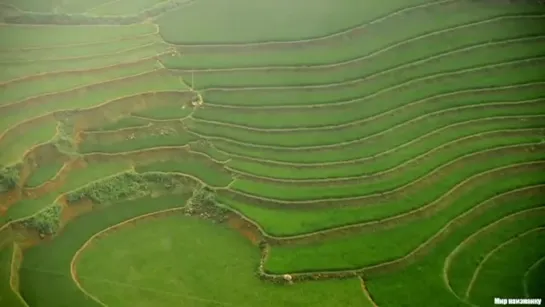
x: 329, y: 154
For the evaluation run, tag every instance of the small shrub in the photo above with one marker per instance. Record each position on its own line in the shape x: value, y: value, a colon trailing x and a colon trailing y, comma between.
x: 9, y: 177
x: 46, y: 222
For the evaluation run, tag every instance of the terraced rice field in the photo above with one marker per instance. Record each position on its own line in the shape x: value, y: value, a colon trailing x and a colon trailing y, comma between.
x: 271, y: 153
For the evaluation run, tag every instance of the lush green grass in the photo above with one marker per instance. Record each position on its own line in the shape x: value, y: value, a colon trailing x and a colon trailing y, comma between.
x: 428, y: 269
x: 17, y: 70
x: 468, y: 258
x: 31, y: 36
x: 511, y: 73
x: 533, y: 279
x: 230, y: 262
x: 95, y: 95
x: 14, y: 146
x: 382, y: 184
x: 400, y: 65
x: 100, y: 49
x: 124, y: 7
x: 381, y: 134
x: 361, y: 250
x: 354, y: 150
x: 192, y: 164
x: 62, y: 82
x: 45, y: 276
x: 147, y: 137
x: 44, y: 173
x: 517, y: 255
x: 384, y: 36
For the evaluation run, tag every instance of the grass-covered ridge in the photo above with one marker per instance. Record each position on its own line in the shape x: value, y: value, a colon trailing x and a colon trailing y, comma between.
x: 324, y: 154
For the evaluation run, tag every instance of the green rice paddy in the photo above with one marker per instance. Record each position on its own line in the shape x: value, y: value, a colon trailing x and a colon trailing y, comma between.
x: 285, y: 153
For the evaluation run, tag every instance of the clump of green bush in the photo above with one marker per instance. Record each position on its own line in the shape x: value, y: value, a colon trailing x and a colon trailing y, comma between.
x: 112, y: 189
x: 46, y: 222
x: 203, y: 203
x: 9, y: 177
x: 123, y: 186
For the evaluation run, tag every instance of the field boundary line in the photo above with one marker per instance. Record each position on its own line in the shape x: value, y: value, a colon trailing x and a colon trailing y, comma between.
x: 48, y: 74
x: 524, y: 279
x: 101, y: 55
x: 372, y: 54
x: 491, y: 253
x: 436, y: 76
x: 401, y: 165
x: 314, y: 202
x: 120, y: 39
x: 3, y: 134
x: 468, y: 240
x: 14, y: 270
x: 366, y: 292
x: 344, y: 143
x: 371, y: 118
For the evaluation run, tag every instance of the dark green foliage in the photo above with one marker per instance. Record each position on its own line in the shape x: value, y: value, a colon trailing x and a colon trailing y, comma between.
x: 46, y: 222
x: 9, y: 177
x: 204, y: 204
x: 126, y: 185
x: 112, y: 189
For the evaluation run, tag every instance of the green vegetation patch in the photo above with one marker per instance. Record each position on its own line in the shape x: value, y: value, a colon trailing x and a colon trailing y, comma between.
x: 126, y: 185
x: 9, y: 177
x: 230, y: 262
x: 46, y: 222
